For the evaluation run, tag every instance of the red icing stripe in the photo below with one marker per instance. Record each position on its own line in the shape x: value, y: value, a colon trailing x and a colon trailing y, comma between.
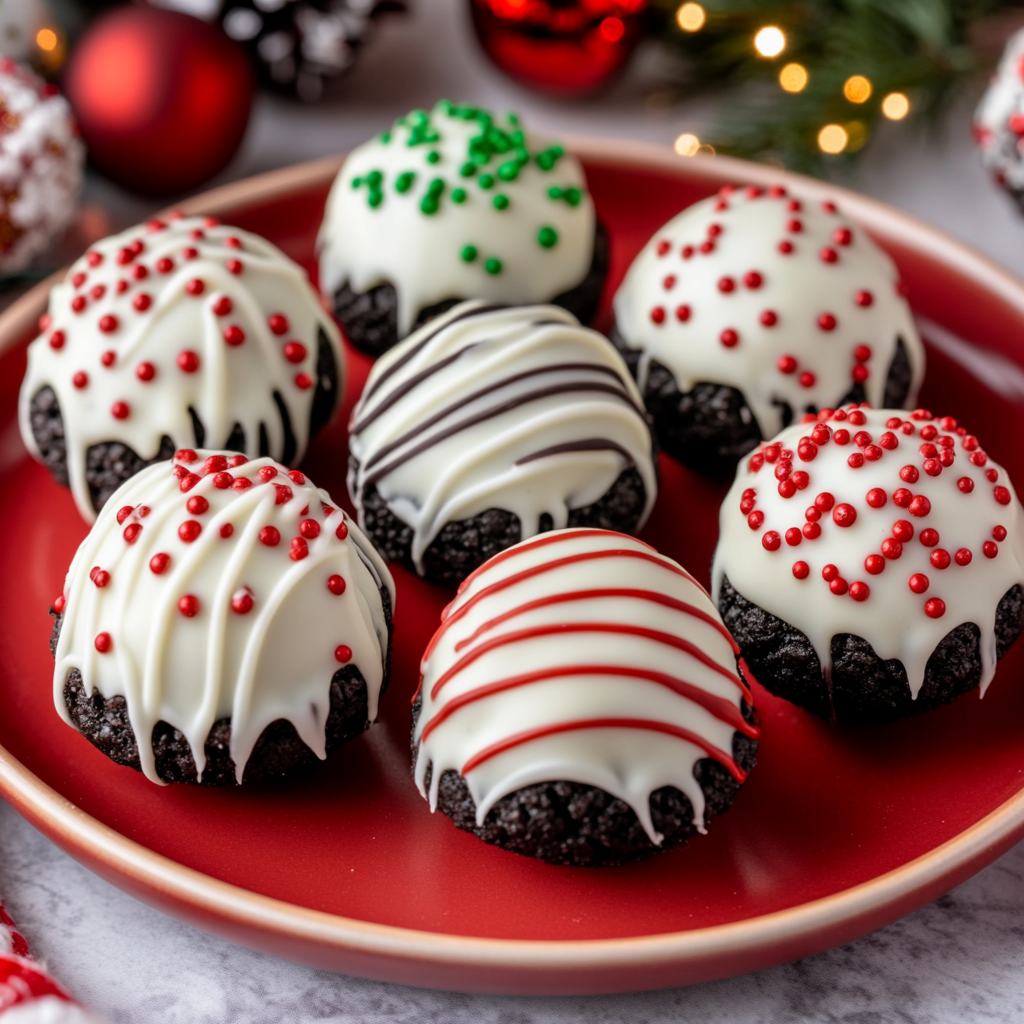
x: 605, y: 723
x: 722, y: 709
x: 21, y: 982
x: 668, y: 639
x: 590, y: 595
x: 18, y: 944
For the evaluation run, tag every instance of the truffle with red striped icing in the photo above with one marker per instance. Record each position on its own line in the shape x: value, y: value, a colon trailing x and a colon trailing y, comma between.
x: 871, y: 562
x: 581, y: 703
x: 752, y: 307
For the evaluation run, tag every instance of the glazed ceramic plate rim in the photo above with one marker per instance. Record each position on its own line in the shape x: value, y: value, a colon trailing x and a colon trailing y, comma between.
x: 527, y: 966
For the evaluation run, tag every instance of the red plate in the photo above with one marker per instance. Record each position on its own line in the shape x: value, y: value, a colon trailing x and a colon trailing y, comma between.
x: 839, y: 831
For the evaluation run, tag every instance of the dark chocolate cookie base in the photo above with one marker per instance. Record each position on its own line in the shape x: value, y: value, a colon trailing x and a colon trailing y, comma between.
x: 109, y: 463
x: 463, y: 546
x: 863, y: 687
x: 278, y: 752
x: 711, y: 427
x: 370, y: 318
x: 576, y: 825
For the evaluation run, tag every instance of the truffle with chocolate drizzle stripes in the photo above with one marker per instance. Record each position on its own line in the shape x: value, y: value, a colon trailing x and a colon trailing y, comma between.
x: 581, y: 656
x: 891, y: 525
x: 490, y: 407
x: 780, y: 298
x: 177, y: 314
x: 213, y: 587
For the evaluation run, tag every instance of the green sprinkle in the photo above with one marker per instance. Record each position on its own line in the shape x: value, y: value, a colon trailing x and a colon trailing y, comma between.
x: 512, y: 117
x: 500, y: 202
x: 436, y: 187
x: 357, y: 182
x: 404, y: 181
x: 468, y: 253
x: 468, y: 169
x: 429, y: 205
x: 554, y: 192
x: 458, y: 195
x: 485, y: 180
x: 433, y: 157
x: 385, y: 137
x: 493, y: 265
x: 509, y: 170
x: 545, y: 161
x: 548, y: 237
x: 573, y: 196
x: 375, y: 199
x: 518, y: 137
x: 374, y: 178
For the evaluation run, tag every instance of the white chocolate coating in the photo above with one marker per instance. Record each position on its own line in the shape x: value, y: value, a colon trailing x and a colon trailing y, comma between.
x: 797, y: 317
x: 272, y: 659
x: 171, y: 308
x: 41, y: 161
x: 421, y: 254
x: 758, y: 555
x: 609, y: 653
x: 999, y: 120
x: 47, y: 1010
x: 516, y: 408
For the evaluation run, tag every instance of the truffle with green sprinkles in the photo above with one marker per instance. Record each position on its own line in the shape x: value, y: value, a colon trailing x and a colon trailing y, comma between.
x: 452, y: 203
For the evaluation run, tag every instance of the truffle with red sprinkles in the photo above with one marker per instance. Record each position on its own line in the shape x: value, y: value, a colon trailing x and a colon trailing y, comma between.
x: 753, y: 307
x: 228, y: 612
x: 180, y: 331
x: 998, y: 127
x: 871, y: 563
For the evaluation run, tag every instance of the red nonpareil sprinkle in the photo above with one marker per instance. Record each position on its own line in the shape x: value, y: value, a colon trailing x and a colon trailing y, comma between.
x: 824, y: 501
x: 297, y: 477
x: 94, y: 258
x: 283, y: 494
x: 842, y: 236
x: 940, y: 558
x: 155, y: 225
x: 787, y: 488
x: 131, y: 532
x: 342, y: 531
x: 241, y: 484
x: 863, y: 298
x: 999, y: 533
x: 80, y: 380
x: 222, y: 305
x: 860, y: 373
x: 1001, y: 494
x: 309, y: 528
x: 124, y: 512
x: 234, y: 266
x: 769, y: 318
x: 103, y: 642
x: 812, y: 531
x: 889, y: 441
x: 234, y: 335
x: 214, y: 464
x: 771, y: 541
x: 755, y: 520
x: 145, y: 372
x: 164, y: 265
x: 714, y: 230
x: 838, y: 586
x: 336, y: 584
x: 902, y: 530
x: 342, y: 653
x: 929, y: 537
x: 189, y: 530
x: 197, y: 505
x: 57, y: 340
x: 932, y: 467
x: 907, y: 428
x: 929, y: 451
x: 935, y: 608
x: 892, y: 548
x: 860, y: 591
x: 801, y: 570
x: 821, y: 434
x: 800, y: 479
x: 686, y: 252
x: 189, y: 253
x: 963, y: 556
x: 794, y: 206
x: 753, y: 280
x: 139, y: 272
x: 874, y: 564
x: 979, y: 458
x: 188, y: 361
x: 827, y: 322
x: 785, y: 247
x: 755, y: 462
x: 807, y: 451
x: 812, y: 513
x: 195, y: 287
x: 682, y: 315
x: 99, y: 576
x: 921, y: 414
x: 278, y: 323
x: 267, y: 473
x: 726, y: 285
x: 877, y: 497
x: 829, y: 573
x: 873, y: 453
x: 902, y: 497
x: 299, y: 549
x: 186, y: 455
x: 929, y: 432
x: 78, y: 304
x: 857, y: 418
x: 990, y: 549
x: 188, y: 481
x: 45, y: 320
x: 707, y: 247
x: 237, y: 460
x: 918, y: 583
x: 189, y: 606
x: 669, y: 282
x: 807, y: 379
x: 241, y: 602
x: 159, y: 562
x: 793, y: 536
x: 271, y: 536
x: 226, y: 531
x: 729, y: 338
x: 663, y: 247
x: 303, y: 381
x: 58, y: 604
x: 909, y: 474
x: 120, y: 410
x: 920, y: 506
x: 969, y: 443
x: 232, y: 242
x: 946, y: 457
x: 844, y: 515
x: 828, y: 255
x: 855, y: 461
x: 787, y: 364
x: 794, y: 226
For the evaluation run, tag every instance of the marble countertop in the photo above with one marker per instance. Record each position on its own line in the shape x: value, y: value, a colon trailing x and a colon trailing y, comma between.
x: 959, y: 959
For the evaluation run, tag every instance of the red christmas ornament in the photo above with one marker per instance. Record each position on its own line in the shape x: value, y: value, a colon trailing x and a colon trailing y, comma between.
x: 566, y: 47
x: 162, y: 99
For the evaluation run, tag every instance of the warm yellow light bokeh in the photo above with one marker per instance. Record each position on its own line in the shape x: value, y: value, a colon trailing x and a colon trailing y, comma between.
x: 793, y: 77
x: 858, y: 135
x: 770, y: 41
x: 687, y: 144
x: 46, y: 39
x: 857, y: 89
x: 895, y: 106
x: 691, y: 17
x: 833, y: 139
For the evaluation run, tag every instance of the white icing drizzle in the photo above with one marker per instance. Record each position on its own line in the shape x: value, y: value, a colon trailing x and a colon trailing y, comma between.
x: 781, y: 299
x: 421, y: 254
x: 261, y: 643
x: 584, y: 656
x: 999, y: 120
x: 172, y: 315
x: 514, y: 408
x: 41, y: 161
x: 965, y: 552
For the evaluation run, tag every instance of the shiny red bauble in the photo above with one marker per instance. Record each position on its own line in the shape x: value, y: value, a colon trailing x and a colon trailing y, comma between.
x: 162, y: 99
x: 564, y: 47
